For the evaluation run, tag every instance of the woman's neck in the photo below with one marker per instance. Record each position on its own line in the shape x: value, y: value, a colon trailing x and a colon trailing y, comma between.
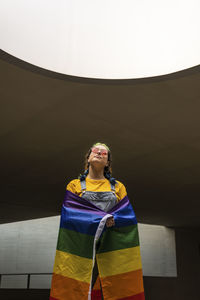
x: 95, y: 173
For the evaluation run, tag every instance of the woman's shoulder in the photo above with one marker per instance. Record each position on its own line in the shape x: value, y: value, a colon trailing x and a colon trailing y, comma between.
x: 120, y: 189
x: 74, y: 181
x: 73, y: 185
x: 119, y: 184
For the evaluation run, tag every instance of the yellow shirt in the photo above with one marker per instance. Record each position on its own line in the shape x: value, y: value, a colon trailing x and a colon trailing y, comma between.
x: 101, y: 185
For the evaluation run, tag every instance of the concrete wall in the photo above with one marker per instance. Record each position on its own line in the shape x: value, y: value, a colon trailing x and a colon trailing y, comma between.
x: 187, y: 284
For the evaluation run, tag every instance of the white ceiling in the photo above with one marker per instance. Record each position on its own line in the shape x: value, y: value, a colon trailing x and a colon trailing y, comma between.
x: 111, y: 39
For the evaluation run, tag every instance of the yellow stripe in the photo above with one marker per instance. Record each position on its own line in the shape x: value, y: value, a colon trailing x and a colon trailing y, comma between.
x: 119, y: 261
x: 73, y: 266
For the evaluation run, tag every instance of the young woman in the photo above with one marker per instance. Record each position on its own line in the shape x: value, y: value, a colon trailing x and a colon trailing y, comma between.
x: 97, y: 186
x: 98, y: 235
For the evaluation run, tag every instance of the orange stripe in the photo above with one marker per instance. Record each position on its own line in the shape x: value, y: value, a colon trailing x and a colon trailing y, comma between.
x: 122, y: 285
x: 64, y: 288
x: 96, y: 291
x: 135, y: 297
x: 97, y: 284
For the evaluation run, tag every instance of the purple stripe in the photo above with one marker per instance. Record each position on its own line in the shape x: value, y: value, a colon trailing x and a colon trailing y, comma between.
x: 120, y: 205
x: 74, y: 201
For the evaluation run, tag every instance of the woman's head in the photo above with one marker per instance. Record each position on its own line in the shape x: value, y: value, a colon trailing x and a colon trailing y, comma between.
x: 99, y: 153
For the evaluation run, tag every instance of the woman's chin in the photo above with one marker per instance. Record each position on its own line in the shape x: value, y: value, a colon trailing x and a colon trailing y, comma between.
x: 97, y: 161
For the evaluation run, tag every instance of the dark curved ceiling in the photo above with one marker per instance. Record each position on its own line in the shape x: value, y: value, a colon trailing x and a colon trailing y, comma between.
x: 49, y: 120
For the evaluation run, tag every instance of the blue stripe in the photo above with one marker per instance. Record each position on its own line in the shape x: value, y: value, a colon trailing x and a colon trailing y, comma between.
x: 80, y: 221
x: 87, y: 222
x: 125, y: 216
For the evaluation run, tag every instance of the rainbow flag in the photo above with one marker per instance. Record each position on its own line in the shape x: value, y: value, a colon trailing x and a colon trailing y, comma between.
x: 82, y: 226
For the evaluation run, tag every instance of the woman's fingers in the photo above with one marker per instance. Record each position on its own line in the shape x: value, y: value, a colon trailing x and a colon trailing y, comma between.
x: 110, y: 222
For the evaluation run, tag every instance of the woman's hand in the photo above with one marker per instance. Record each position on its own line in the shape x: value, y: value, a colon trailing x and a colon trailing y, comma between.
x: 110, y: 222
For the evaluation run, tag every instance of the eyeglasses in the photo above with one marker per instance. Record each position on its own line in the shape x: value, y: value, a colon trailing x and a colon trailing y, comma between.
x: 102, y: 151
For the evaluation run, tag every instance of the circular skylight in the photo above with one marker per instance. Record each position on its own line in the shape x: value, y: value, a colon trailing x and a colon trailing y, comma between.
x: 110, y: 39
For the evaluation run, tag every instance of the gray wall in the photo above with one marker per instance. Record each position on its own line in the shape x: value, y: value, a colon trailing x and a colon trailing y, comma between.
x: 187, y: 285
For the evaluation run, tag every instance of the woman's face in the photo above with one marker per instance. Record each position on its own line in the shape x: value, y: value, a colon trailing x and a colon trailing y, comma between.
x: 99, y: 156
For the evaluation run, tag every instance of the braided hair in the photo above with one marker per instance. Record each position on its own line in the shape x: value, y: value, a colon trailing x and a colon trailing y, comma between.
x: 107, y: 169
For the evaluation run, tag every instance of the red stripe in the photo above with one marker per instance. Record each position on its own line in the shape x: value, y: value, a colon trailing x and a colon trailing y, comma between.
x: 96, y: 295
x: 135, y: 297
x: 51, y: 298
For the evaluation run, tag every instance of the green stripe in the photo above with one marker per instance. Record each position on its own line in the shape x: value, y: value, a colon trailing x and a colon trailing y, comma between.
x: 112, y: 239
x: 118, y: 238
x: 75, y: 243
